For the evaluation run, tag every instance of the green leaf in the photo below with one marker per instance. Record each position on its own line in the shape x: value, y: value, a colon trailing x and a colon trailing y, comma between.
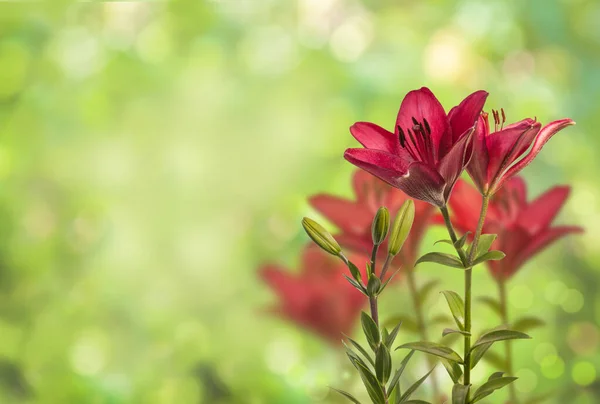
x: 499, y: 335
x: 442, y: 259
x: 394, y: 384
x: 426, y: 289
x: 460, y: 394
x: 445, y: 241
x: 373, y: 286
x: 493, y: 255
x: 461, y: 241
x: 414, y: 387
x: 361, y: 350
x: 492, y: 304
x: 451, y: 331
x: 355, y: 272
x: 347, y: 395
x: 388, y: 281
x: 370, y: 329
x: 490, y: 386
x: 435, y: 349
x: 453, y: 369
x: 457, y: 307
x: 383, y: 363
x: 478, y: 352
x: 371, y: 383
x: 356, y: 284
x: 389, y: 340
x: 495, y: 375
x: 353, y: 356
x: 484, y: 244
x: 527, y: 323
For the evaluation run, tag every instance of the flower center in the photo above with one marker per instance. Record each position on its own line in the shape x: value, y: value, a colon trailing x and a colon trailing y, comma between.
x: 418, y: 143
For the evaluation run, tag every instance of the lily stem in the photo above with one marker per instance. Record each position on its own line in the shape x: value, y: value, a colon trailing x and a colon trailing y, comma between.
x: 508, y: 345
x: 468, y: 261
x: 373, y: 299
x: 422, y: 327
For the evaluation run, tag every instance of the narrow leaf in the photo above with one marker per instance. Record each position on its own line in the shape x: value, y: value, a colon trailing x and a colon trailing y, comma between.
x: 457, y: 307
x: 389, y: 341
x: 361, y: 350
x: 496, y: 375
x: 492, y: 304
x: 388, y: 281
x: 460, y: 394
x: 414, y: 387
x: 394, y: 384
x: 355, y: 272
x: 442, y: 259
x: 347, y: 395
x: 356, y: 284
x: 383, y: 364
x: 408, y: 323
x: 527, y: 323
x: 485, y: 243
x: 499, y: 335
x: 370, y: 329
x: 451, y: 331
x: 435, y: 349
x: 490, y: 386
x: 489, y: 256
x: 445, y: 241
x: 371, y: 383
x: 461, y: 241
x: 453, y: 369
x: 478, y: 352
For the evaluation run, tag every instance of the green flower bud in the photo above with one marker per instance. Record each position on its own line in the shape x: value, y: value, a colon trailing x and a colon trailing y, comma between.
x: 321, y: 237
x: 402, y: 224
x: 380, y: 226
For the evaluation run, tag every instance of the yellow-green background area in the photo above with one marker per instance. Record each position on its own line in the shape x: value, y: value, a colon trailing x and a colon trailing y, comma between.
x: 154, y: 154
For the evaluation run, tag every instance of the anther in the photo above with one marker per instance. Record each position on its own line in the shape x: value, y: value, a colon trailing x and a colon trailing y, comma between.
x: 427, y: 128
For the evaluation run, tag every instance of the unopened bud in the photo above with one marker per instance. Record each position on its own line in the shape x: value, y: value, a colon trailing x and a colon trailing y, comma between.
x: 402, y: 224
x: 321, y: 237
x: 380, y: 226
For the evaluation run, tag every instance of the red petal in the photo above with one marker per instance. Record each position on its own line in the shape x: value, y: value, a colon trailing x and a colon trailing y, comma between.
x: 421, y: 104
x: 417, y: 180
x: 464, y: 115
x: 465, y: 203
x: 375, y: 137
x: 346, y: 215
x: 540, y: 213
x: 453, y: 163
x: 541, y: 241
x: 543, y: 136
x: 477, y: 167
x: 505, y: 146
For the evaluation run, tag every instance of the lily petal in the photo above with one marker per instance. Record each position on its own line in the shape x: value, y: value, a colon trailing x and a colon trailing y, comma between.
x: 464, y: 115
x: 544, y: 135
x: 477, y: 167
x: 452, y: 164
x: 372, y: 136
x: 421, y: 104
x: 541, y: 212
x: 465, y: 204
x: 540, y: 241
x: 347, y: 215
x: 505, y: 146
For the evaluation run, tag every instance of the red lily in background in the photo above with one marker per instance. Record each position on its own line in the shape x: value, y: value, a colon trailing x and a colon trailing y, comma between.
x: 523, y: 228
x: 318, y: 298
x: 495, y: 154
x: 354, y: 217
x: 427, y: 151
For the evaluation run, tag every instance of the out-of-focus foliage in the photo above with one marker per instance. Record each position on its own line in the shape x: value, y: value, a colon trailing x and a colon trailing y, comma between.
x: 152, y: 154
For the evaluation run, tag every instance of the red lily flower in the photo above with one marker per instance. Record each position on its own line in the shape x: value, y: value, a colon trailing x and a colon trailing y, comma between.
x: 428, y: 150
x: 354, y: 217
x: 523, y: 228
x: 495, y: 154
x: 318, y: 298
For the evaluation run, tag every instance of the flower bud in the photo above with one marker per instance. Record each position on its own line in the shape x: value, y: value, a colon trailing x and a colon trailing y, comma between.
x: 321, y: 237
x: 402, y: 224
x: 380, y: 226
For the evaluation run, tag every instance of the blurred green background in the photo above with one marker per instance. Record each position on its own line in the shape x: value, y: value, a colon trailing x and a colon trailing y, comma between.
x: 154, y: 154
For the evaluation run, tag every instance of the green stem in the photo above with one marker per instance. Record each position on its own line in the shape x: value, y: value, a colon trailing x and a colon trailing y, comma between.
x: 508, y: 345
x: 373, y: 301
x: 421, y: 326
x: 468, y: 261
